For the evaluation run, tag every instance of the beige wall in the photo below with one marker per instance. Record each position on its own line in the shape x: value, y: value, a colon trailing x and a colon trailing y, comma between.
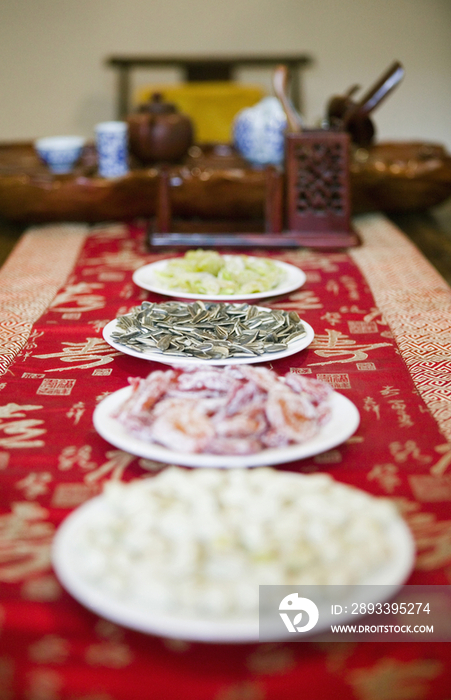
x: 53, y: 78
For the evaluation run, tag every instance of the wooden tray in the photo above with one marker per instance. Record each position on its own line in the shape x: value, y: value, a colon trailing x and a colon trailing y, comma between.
x: 214, y: 182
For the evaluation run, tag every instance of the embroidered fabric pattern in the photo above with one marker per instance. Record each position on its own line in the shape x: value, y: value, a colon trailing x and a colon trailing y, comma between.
x: 29, y: 279
x: 416, y: 302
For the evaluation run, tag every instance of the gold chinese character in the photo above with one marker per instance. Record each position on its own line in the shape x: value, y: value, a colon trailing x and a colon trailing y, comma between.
x: 95, y: 350
x: 336, y: 344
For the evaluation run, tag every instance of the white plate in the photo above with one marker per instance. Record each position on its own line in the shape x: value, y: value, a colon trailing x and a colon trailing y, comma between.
x: 292, y: 349
x: 130, y: 614
x: 145, y: 277
x: 343, y: 423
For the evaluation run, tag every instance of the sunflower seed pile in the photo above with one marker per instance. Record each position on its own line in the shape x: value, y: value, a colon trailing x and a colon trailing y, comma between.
x: 208, y: 331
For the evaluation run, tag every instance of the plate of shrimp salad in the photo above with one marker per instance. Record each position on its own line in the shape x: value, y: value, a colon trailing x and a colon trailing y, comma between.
x: 236, y: 416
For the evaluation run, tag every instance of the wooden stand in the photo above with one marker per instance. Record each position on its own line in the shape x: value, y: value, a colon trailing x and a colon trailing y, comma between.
x: 309, y: 206
x: 167, y: 230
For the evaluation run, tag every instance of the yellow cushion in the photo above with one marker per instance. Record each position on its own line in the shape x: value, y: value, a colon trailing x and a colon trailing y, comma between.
x: 211, y: 105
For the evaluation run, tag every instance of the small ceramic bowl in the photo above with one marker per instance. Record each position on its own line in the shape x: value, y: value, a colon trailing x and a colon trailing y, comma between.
x: 60, y: 153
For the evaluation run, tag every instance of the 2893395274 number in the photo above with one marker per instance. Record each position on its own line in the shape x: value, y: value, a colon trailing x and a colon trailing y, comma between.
x: 389, y: 608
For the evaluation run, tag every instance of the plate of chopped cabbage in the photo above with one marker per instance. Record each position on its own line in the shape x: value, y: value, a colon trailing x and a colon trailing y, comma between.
x: 205, y: 274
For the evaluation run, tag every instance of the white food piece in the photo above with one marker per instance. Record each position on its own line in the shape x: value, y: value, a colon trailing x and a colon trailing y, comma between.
x: 200, y: 542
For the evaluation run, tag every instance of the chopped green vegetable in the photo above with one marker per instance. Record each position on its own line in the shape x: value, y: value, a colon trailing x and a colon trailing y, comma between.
x: 208, y: 272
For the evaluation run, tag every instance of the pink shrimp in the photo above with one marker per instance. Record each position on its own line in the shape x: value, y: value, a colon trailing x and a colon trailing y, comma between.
x: 211, y: 379
x: 146, y: 392
x: 264, y: 378
x: 180, y: 425
x: 316, y: 390
x: 250, y: 420
x: 291, y: 415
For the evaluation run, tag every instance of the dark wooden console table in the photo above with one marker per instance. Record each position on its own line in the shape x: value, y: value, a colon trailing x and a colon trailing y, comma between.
x: 220, y: 67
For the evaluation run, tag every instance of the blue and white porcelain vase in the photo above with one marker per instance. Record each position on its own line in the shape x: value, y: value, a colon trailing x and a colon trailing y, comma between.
x: 112, y: 148
x: 259, y: 132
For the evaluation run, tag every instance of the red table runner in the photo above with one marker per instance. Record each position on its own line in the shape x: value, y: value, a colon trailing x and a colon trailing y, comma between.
x: 381, y: 317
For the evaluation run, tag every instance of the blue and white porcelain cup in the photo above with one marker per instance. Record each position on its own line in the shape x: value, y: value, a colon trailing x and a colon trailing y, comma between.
x: 60, y: 152
x: 112, y: 148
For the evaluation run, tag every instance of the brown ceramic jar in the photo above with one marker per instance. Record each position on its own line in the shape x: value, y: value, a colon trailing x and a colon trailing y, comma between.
x: 159, y: 133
